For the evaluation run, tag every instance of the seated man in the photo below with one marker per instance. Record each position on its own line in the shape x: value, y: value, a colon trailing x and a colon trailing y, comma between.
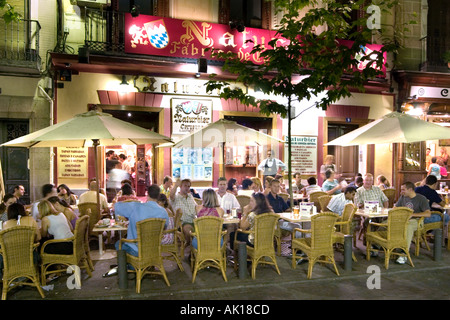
x: 227, y: 200
x: 338, y: 201
x: 135, y: 212
x: 311, y: 187
x: 278, y: 204
x: 91, y: 196
x: 369, y: 192
x: 429, y: 191
x: 185, y: 201
x: 419, y: 204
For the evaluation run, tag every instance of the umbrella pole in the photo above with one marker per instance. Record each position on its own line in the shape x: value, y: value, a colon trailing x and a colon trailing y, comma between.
x: 96, y: 144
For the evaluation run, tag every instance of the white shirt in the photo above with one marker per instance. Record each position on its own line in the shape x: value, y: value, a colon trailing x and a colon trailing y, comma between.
x: 337, y: 203
x: 269, y: 161
x: 91, y: 196
x: 228, y: 201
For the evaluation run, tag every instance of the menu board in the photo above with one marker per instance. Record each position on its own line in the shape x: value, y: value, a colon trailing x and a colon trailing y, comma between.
x: 192, y: 163
x: 303, y: 154
x: 72, y: 162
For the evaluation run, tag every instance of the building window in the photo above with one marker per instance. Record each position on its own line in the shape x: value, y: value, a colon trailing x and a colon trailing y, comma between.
x: 247, y: 11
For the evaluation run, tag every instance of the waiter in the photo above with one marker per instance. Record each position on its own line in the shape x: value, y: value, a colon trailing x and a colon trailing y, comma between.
x: 271, y: 166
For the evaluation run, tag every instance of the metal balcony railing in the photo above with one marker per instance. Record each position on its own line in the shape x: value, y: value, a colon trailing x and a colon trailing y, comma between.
x: 104, y: 31
x: 433, y: 49
x: 19, y: 43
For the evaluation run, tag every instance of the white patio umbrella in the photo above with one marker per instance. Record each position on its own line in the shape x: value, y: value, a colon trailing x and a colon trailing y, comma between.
x: 88, y: 129
x: 394, y: 127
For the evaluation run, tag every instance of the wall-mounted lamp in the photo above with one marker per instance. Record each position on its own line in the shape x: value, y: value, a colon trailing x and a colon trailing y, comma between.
x: 202, y: 64
x: 124, y: 81
x: 134, y: 9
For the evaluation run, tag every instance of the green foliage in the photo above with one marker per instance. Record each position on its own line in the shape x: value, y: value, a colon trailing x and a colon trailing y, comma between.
x: 446, y: 56
x: 9, y: 13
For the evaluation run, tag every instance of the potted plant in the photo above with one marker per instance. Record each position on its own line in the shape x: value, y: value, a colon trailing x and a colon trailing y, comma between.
x: 446, y: 57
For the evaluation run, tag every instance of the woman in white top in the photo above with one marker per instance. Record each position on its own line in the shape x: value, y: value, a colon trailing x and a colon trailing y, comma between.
x: 57, y: 225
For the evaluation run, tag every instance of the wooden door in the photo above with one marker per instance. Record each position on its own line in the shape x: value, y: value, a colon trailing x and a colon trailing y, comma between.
x: 346, y: 158
x: 15, y: 159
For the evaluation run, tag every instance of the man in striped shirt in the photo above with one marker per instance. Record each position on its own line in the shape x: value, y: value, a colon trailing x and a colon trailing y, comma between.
x: 185, y: 201
x: 369, y: 192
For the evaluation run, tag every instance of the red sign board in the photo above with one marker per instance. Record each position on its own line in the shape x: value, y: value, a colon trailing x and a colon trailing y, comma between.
x: 151, y: 35
x: 188, y: 39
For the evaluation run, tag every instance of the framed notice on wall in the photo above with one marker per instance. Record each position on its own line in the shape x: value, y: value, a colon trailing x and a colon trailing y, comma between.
x: 303, y: 154
x: 192, y: 163
x: 189, y: 115
x: 72, y: 162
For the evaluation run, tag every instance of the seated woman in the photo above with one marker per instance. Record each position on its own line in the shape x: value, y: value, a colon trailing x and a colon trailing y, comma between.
x: 210, y: 205
x: 17, y: 216
x: 382, y: 182
x: 258, y: 205
x: 232, y: 188
x: 127, y: 193
x: 55, y: 224
x: 331, y: 186
x: 62, y: 206
x: 164, y: 202
x: 256, y: 185
x: 64, y: 193
x: 8, y: 199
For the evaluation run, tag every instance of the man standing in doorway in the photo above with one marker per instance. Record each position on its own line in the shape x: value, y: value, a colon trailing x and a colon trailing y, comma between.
x: 271, y: 166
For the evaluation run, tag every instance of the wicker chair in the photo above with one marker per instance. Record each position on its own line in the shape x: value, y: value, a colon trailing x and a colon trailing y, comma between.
x: 264, y: 231
x: 209, y: 252
x: 314, y: 197
x: 243, y: 200
x: 173, y: 249
x: 394, y: 237
x: 421, y: 234
x: 344, y: 224
x: 324, y: 201
x: 90, y: 209
x: 149, y: 234
x: 78, y: 257
x: 179, y: 233
x: 320, y: 244
x: 390, y: 193
x: 285, y: 196
x: 17, y: 250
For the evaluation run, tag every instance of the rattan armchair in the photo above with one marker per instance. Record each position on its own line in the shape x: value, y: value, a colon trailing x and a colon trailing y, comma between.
x: 421, y: 233
x: 390, y: 194
x: 314, y: 197
x: 324, y: 201
x: 17, y: 246
x: 173, y: 249
x: 179, y: 233
x: 209, y: 252
x: 243, y: 200
x: 264, y: 232
x: 393, y: 237
x: 285, y: 196
x: 344, y: 225
x: 90, y: 209
x: 78, y: 257
x: 149, y: 234
x: 320, y: 244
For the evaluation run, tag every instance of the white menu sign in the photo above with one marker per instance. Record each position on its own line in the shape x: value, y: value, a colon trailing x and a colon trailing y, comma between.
x: 303, y: 154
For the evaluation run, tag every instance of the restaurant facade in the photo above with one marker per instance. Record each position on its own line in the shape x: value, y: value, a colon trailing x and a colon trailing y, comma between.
x: 150, y: 69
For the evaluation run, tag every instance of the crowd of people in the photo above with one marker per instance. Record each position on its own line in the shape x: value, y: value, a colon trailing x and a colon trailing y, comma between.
x: 53, y: 215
